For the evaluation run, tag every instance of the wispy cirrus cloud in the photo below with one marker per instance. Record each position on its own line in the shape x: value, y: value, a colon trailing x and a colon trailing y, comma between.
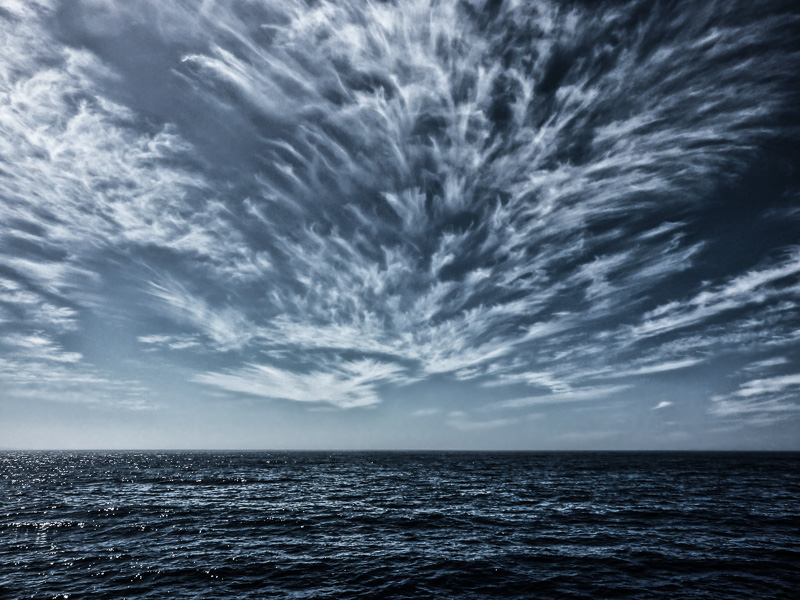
x: 39, y: 347
x: 35, y: 309
x: 348, y: 384
x: 754, y: 287
x: 225, y: 327
x: 37, y: 368
x: 661, y: 367
x: 758, y: 387
x: 765, y: 396
x: 461, y: 420
x: 520, y: 196
x: 572, y: 395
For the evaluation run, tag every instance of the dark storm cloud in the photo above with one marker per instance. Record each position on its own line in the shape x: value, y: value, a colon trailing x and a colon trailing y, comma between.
x: 338, y: 198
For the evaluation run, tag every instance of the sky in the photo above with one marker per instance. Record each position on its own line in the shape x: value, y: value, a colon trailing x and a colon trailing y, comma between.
x: 418, y: 224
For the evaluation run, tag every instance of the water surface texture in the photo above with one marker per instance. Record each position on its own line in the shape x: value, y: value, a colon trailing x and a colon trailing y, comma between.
x: 400, y: 525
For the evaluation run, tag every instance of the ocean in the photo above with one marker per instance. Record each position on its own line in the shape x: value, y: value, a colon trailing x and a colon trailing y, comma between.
x: 399, y: 525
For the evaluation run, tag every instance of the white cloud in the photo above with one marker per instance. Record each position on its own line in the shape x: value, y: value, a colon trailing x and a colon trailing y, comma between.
x: 760, y: 401
x: 37, y: 311
x: 171, y: 342
x: 575, y: 395
x: 769, y: 385
x: 384, y: 210
x: 37, y: 346
x: 750, y: 288
x: 425, y: 412
x: 461, y: 421
x: 344, y: 384
x: 767, y: 363
x: 662, y: 367
x: 39, y: 370
x: 226, y: 327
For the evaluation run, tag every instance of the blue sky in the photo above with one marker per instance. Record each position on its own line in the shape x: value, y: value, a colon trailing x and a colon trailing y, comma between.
x: 532, y: 225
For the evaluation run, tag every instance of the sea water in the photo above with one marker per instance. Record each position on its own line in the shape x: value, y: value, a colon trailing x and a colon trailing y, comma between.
x: 399, y: 525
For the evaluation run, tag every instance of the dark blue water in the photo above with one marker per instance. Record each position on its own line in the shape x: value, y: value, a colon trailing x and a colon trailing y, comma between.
x: 399, y: 525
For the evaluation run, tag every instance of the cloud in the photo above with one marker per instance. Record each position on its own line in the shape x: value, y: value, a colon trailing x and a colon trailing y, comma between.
x: 760, y: 401
x: 767, y: 363
x: 752, y: 287
x: 534, y: 378
x: 39, y: 347
x: 371, y: 180
x: 769, y: 385
x: 663, y: 404
x: 344, y: 385
x: 170, y: 342
x: 461, y: 421
x: 425, y: 412
x: 36, y: 309
x: 658, y: 368
x: 40, y: 370
x: 575, y: 395
x: 226, y: 327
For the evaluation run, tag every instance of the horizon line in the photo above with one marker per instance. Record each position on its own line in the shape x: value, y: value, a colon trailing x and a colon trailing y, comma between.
x: 409, y: 450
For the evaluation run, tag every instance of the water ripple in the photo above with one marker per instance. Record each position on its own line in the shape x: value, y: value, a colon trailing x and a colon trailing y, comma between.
x: 401, y: 525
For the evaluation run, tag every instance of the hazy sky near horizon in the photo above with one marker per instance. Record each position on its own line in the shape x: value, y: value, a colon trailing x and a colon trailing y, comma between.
x: 411, y: 224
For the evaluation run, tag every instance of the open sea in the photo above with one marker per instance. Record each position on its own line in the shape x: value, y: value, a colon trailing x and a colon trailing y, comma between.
x: 399, y: 525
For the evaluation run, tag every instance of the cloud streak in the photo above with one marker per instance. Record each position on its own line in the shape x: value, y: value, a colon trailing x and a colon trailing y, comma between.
x: 339, y: 198
x: 344, y: 384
